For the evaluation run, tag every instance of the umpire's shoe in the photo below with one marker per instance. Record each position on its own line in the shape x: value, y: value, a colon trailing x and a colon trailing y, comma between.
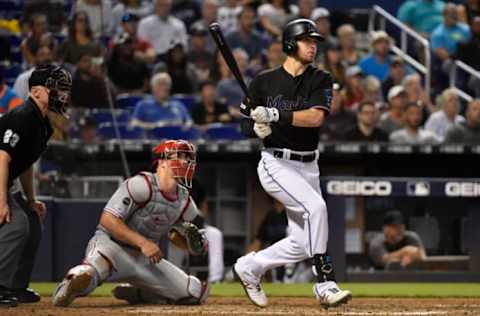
x: 330, y: 295
x: 26, y: 295
x: 74, y: 285
x: 7, y: 298
x: 253, y: 289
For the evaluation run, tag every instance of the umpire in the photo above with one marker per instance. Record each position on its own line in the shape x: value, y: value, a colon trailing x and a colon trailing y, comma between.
x: 24, y: 133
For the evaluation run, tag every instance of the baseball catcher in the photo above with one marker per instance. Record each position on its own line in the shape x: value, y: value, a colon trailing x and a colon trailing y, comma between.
x: 125, y: 246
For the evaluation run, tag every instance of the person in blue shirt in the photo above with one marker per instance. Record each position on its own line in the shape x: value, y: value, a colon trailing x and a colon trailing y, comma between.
x: 159, y: 110
x: 422, y: 15
x: 377, y: 63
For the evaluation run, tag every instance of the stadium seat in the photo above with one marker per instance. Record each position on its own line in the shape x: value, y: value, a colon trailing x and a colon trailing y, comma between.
x: 187, y: 100
x: 13, y: 71
x: 174, y: 132
x: 16, y: 55
x: 127, y: 101
x: 15, y: 40
x: 106, y: 131
x: 219, y: 131
x: 105, y: 116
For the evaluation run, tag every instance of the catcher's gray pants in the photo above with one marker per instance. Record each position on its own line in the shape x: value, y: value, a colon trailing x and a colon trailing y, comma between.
x: 115, y: 262
x: 19, y: 241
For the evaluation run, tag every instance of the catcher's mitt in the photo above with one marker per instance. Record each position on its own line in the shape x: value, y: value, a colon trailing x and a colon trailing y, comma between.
x: 188, y: 237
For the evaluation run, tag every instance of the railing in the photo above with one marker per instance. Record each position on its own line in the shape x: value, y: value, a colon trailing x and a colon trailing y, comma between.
x: 402, y: 51
x: 458, y: 64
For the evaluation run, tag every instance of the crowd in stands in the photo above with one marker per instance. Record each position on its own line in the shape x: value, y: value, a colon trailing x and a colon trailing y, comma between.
x: 156, y: 63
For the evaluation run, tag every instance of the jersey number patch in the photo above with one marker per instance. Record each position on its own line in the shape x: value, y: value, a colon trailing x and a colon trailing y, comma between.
x: 10, y: 138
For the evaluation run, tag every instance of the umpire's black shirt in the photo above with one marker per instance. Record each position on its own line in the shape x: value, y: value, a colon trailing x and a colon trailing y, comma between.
x: 24, y: 133
x: 277, y: 88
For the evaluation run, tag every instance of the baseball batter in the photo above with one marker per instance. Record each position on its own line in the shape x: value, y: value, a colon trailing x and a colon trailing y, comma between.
x: 125, y: 246
x: 291, y: 102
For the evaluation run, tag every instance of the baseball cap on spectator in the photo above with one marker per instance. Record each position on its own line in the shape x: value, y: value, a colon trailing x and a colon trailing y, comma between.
x: 353, y: 71
x: 319, y: 13
x: 198, y: 30
x: 395, y: 91
x: 397, y: 61
x: 380, y: 35
x: 393, y: 217
x: 130, y: 17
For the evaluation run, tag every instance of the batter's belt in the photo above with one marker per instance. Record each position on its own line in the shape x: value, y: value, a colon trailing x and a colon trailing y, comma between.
x: 291, y: 155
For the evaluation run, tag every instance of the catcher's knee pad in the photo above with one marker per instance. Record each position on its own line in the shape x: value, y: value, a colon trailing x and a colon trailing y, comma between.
x: 88, y: 269
x: 197, y: 290
x: 102, y: 264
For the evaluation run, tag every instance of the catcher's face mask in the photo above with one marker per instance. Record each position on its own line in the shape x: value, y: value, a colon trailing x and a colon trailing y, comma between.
x: 181, y: 156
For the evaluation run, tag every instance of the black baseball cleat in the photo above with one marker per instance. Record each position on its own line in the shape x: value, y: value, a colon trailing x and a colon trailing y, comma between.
x: 26, y: 295
x: 7, y: 298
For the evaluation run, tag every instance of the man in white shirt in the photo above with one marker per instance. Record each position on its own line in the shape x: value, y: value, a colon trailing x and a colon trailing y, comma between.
x: 162, y: 29
x: 439, y: 122
x: 100, y: 15
x: 412, y: 133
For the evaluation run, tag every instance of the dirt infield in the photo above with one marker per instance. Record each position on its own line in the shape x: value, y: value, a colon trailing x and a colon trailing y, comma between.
x: 240, y: 306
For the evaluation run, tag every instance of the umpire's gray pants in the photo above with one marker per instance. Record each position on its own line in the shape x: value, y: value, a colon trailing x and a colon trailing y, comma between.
x: 13, y: 237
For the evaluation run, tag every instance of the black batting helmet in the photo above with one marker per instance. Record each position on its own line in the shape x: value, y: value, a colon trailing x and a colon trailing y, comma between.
x: 296, y: 29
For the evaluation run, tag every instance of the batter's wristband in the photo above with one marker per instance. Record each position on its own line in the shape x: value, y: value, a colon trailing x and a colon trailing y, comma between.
x: 285, y: 117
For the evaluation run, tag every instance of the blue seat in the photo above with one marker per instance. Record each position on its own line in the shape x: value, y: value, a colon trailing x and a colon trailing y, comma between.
x: 219, y: 131
x: 174, y: 132
x: 105, y: 116
x: 127, y: 101
x: 16, y: 55
x: 15, y: 40
x: 187, y: 100
x: 106, y: 131
x: 13, y: 71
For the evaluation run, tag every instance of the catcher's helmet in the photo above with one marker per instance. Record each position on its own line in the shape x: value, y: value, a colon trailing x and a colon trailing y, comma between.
x: 59, y: 83
x: 296, y: 29
x: 182, y: 155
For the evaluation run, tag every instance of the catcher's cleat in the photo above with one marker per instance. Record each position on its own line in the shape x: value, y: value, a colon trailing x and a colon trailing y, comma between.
x: 73, y: 286
x: 129, y: 293
x: 332, y: 297
x: 253, y: 290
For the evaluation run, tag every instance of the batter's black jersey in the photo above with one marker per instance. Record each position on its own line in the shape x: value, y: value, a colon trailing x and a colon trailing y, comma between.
x: 24, y: 133
x: 277, y: 88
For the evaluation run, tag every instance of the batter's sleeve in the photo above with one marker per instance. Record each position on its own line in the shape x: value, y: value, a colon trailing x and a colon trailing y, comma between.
x: 321, y: 93
x: 132, y: 194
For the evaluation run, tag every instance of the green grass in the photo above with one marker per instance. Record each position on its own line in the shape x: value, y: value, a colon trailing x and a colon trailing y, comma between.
x: 358, y: 289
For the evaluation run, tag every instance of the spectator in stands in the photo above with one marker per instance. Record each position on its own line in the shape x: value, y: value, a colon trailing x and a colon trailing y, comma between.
x: 181, y: 71
x: 275, y: 14
x: 469, y: 131
x: 88, y: 130
x: 366, y: 130
x: 8, y: 99
x: 100, y: 15
x: 138, y: 8
x: 53, y: 9
x: 209, y: 15
x: 321, y: 17
x: 80, y: 40
x: 43, y: 56
x: 305, y: 8
x: 273, y: 228
x: 416, y: 92
x: 228, y: 89
x: 352, y: 93
x: 468, y: 11
x: 422, y: 15
x: 349, y: 53
x: 162, y: 29
x: 198, y: 55
x: 275, y: 55
x: 158, y: 110
x: 38, y: 37
x: 440, y: 121
x: 227, y: 14
x: 396, y: 74
x: 468, y: 53
x: 187, y: 11
x: 377, y: 63
x: 444, y: 42
x: 372, y: 90
x: 127, y: 73
x: 5, y: 49
x: 88, y: 85
x: 245, y: 36
x: 143, y: 50
x: 209, y: 110
x: 333, y: 64
x: 394, y: 118
x: 413, y: 133
x: 339, y: 118
x: 396, y: 247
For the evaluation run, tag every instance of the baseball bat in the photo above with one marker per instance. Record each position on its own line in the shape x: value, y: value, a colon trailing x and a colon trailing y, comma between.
x: 217, y: 35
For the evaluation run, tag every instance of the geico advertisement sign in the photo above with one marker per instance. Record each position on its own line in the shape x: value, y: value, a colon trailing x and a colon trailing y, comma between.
x: 369, y: 188
x: 463, y: 189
